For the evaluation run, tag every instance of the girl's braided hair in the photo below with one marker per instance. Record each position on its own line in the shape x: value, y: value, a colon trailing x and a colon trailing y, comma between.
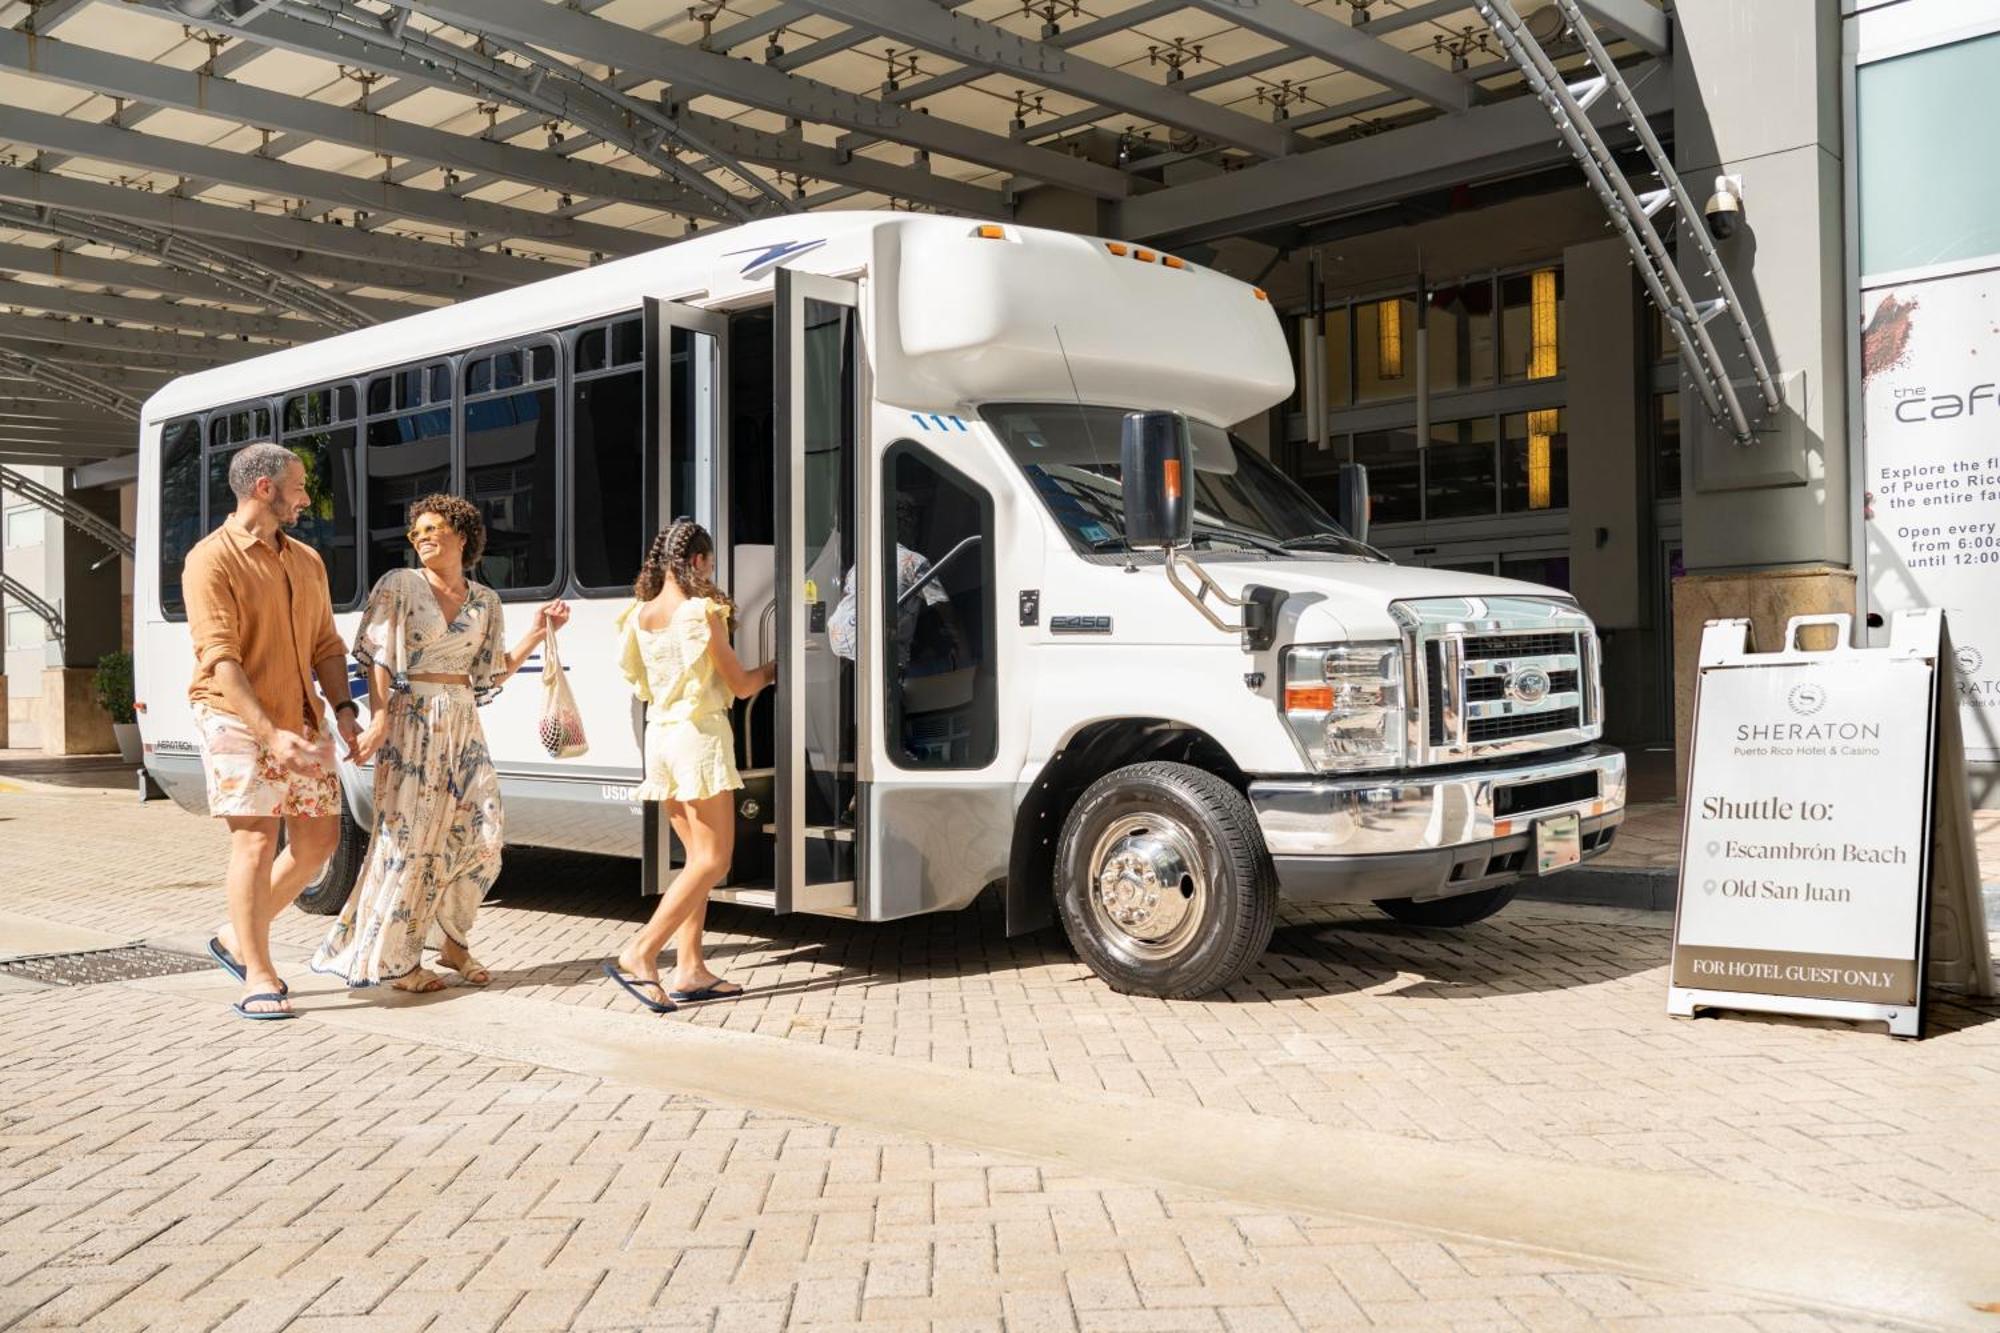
x: 671, y: 555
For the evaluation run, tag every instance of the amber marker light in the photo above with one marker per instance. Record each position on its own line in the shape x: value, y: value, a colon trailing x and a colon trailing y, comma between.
x: 1309, y: 698
x: 1172, y: 468
x: 988, y: 231
x: 1144, y: 256
x: 1118, y: 248
x: 1172, y: 261
x: 1261, y: 294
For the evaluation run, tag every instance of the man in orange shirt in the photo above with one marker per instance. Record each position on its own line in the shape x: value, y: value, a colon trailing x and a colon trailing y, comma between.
x: 261, y: 619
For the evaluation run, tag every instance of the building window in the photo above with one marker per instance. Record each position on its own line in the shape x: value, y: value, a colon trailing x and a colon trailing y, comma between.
x: 607, y: 454
x: 1459, y: 469
x: 24, y: 527
x: 320, y: 426
x: 25, y: 631
x: 1531, y: 325
x: 180, y: 507
x: 1918, y: 201
x: 509, y: 415
x: 1534, y: 461
x: 1385, y: 349
x: 1395, y: 473
x: 1666, y: 445
x: 1551, y: 571
x: 1460, y: 345
x: 942, y: 696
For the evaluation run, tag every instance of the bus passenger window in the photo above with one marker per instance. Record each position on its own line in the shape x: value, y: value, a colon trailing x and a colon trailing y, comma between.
x: 607, y: 458
x: 180, y: 507
x: 510, y: 470
x: 937, y: 600
x: 408, y: 455
x: 319, y: 427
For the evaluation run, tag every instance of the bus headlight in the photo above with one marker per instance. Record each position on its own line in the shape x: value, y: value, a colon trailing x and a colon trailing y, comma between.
x: 1344, y: 702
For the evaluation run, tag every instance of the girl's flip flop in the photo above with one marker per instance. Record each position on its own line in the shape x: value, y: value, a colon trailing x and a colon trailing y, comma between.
x: 631, y: 987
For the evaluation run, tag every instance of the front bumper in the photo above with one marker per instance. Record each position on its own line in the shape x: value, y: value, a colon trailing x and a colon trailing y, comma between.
x: 1432, y: 834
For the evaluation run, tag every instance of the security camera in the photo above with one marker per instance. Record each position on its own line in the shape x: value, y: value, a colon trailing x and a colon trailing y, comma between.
x: 1724, y: 210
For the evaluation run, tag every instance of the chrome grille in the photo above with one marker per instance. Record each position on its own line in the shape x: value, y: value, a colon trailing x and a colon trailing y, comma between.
x: 1501, y: 675
x: 1484, y: 729
x: 1485, y: 646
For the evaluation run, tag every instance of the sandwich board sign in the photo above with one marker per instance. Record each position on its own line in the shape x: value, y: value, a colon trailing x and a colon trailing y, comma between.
x: 1827, y: 860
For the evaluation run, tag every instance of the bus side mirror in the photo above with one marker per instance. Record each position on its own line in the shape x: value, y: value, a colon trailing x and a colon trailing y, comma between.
x: 1351, y: 500
x: 1158, y: 465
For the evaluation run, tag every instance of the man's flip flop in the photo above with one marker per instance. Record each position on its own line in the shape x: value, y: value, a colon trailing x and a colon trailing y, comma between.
x: 712, y: 991
x: 227, y: 962
x: 264, y: 1015
x: 631, y: 986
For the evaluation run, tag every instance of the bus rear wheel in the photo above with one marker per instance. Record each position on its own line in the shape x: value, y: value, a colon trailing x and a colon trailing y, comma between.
x: 1163, y: 883
x: 327, y: 894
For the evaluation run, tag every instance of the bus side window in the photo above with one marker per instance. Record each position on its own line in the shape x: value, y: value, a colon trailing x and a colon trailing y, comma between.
x: 607, y: 456
x: 180, y: 507
x: 407, y: 445
x: 508, y: 416
x: 939, y: 682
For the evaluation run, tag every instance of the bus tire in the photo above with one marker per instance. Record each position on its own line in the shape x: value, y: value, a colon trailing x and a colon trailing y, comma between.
x: 1163, y: 883
x: 1462, y: 910
x: 327, y: 893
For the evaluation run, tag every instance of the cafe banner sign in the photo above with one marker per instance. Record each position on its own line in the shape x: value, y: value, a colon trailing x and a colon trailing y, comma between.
x: 1826, y: 849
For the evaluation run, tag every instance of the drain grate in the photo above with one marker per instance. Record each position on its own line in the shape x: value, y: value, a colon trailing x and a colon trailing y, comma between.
x: 94, y: 967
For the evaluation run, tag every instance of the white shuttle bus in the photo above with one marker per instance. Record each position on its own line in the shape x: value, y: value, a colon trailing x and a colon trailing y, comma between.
x: 917, y: 440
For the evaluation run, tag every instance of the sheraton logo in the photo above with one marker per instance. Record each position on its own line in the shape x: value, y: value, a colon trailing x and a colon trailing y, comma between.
x: 1805, y: 700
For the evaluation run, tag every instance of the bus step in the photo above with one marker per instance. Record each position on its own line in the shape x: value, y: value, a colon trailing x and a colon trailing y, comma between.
x: 830, y: 832
x: 746, y: 895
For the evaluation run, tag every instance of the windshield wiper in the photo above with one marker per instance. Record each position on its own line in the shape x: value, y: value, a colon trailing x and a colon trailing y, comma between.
x: 1261, y: 543
x: 1334, y: 542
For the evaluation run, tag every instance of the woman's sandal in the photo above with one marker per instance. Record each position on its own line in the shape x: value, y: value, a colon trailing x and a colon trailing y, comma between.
x: 426, y: 982
x: 472, y: 972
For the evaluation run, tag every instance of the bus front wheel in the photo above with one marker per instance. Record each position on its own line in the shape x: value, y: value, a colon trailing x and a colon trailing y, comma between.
x: 327, y: 893
x: 1163, y: 883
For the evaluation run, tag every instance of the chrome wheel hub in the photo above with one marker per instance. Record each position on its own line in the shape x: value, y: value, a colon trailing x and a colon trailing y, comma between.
x: 1147, y: 888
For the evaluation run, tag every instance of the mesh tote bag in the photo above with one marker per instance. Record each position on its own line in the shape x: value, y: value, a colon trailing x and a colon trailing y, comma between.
x: 561, y: 726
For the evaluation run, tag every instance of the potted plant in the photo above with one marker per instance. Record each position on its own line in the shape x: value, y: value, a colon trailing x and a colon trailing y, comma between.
x: 114, y: 695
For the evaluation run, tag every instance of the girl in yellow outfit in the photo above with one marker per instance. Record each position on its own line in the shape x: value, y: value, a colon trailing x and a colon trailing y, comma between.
x: 674, y: 648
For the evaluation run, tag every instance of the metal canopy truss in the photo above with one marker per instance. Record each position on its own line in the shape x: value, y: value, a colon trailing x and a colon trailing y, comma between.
x: 1316, y: 32
x: 243, y: 277
x: 692, y: 70
x: 32, y: 600
x: 395, y: 168
x: 992, y: 47
x: 70, y: 512
x: 190, y: 90
x: 81, y: 387
x: 72, y: 265
x: 1632, y: 212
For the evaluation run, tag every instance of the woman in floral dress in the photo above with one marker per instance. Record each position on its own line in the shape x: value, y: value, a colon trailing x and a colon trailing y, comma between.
x: 432, y: 643
x: 673, y: 646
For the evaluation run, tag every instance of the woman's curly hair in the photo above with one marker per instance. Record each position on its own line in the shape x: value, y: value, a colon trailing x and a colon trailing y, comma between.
x: 671, y: 555
x: 463, y: 518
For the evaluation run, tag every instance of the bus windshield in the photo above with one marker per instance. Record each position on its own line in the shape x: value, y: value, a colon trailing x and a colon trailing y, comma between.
x: 1070, y: 455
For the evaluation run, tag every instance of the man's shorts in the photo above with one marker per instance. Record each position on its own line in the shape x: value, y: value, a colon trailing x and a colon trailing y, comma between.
x: 246, y: 782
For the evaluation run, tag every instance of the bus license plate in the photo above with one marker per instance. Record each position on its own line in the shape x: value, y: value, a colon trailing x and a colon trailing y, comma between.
x: 1558, y: 843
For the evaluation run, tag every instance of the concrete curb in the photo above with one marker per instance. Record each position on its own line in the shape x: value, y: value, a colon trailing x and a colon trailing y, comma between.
x: 1642, y: 889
